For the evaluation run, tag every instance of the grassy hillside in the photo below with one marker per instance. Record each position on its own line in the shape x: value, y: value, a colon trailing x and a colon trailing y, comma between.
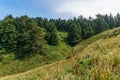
x: 9, y: 65
x: 97, y: 58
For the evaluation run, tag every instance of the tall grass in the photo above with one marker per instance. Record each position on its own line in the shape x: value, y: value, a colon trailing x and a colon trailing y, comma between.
x: 99, y: 61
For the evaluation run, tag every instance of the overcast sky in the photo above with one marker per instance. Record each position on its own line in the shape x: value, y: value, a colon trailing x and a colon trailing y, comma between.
x: 58, y: 8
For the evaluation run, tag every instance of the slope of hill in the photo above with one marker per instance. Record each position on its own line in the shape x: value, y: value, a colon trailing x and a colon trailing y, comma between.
x: 97, y: 58
x: 9, y: 65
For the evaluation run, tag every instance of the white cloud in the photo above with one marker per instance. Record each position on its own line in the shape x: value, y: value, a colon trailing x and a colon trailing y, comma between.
x: 71, y: 8
x: 87, y: 7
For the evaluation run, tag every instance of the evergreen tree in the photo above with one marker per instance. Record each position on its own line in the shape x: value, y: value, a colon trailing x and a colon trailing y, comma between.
x: 117, y: 20
x: 112, y: 22
x: 101, y: 24
x: 52, y: 34
x: 87, y: 30
x: 30, y: 38
x: 8, y: 33
x: 25, y: 35
x: 61, y: 25
x: 74, y: 35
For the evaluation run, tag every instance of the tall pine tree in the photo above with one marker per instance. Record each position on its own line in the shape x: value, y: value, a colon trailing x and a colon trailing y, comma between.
x: 74, y: 35
x: 101, y: 24
x: 30, y: 38
x: 8, y: 33
x: 52, y: 34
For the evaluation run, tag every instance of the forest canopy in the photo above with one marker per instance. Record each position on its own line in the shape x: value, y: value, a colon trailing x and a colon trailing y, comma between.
x: 26, y: 36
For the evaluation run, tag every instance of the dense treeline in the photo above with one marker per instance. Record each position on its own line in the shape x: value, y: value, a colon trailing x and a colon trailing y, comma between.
x: 81, y: 28
x: 21, y: 35
x: 26, y: 36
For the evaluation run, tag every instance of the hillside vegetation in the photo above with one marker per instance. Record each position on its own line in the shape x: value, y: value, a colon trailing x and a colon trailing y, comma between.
x: 96, y: 58
x: 9, y: 65
x: 27, y: 43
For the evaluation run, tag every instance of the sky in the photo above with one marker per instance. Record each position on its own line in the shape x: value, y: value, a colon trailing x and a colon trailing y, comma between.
x: 58, y: 8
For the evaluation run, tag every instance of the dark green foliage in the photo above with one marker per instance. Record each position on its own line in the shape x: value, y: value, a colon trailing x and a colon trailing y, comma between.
x: 74, y: 36
x: 101, y: 24
x: 30, y: 37
x: 87, y: 29
x: 117, y: 20
x: 110, y: 20
x: 61, y: 25
x: 25, y: 36
x: 52, y: 35
x: 8, y: 33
